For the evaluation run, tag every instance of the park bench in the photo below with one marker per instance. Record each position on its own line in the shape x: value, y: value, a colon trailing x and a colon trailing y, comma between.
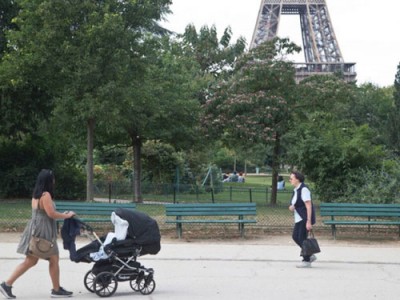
x: 91, y: 211
x: 215, y: 213
x: 360, y: 214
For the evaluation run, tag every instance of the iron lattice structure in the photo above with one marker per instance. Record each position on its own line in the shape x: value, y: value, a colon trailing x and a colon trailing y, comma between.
x: 321, y: 49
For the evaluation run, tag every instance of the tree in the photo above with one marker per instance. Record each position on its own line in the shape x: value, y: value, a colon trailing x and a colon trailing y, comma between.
x: 372, y: 106
x: 8, y: 10
x: 23, y: 104
x: 161, y: 161
x: 84, y: 53
x: 394, y: 119
x: 253, y: 107
x: 328, y: 144
x: 161, y: 105
x: 24, y: 107
x: 215, y: 56
x: 164, y: 104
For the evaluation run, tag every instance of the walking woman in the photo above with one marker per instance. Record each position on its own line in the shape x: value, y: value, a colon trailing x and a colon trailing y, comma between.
x: 44, y: 216
x: 304, y: 214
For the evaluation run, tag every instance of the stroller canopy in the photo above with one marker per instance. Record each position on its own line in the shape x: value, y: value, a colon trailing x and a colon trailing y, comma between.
x: 142, y: 228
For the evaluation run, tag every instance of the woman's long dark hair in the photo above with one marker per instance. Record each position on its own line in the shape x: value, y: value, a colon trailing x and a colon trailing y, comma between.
x: 44, y: 183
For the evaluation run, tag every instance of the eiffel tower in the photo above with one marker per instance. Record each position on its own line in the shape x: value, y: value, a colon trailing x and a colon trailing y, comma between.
x: 321, y: 49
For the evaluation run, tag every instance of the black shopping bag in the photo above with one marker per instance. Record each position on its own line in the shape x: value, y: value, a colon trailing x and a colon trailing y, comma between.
x: 310, y: 245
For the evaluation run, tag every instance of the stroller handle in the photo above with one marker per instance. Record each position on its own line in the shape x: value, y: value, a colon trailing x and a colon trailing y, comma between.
x: 88, y: 228
x: 83, y: 224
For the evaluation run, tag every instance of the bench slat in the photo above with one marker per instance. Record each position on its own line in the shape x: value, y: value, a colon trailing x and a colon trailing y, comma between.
x: 210, y: 213
x: 211, y: 221
x: 359, y: 205
x: 208, y: 210
x: 91, y: 211
x: 361, y: 214
x: 372, y: 214
x: 360, y: 222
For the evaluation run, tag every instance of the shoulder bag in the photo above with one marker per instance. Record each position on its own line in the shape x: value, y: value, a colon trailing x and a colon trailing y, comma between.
x: 40, y: 247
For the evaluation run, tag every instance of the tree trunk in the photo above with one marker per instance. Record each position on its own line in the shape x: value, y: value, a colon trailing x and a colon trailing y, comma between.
x: 89, y: 164
x: 137, y: 168
x: 275, y: 170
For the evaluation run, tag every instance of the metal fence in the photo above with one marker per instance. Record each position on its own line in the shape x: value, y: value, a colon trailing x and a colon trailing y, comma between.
x: 170, y: 193
x: 155, y: 196
x: 15, y: 214
x: 271, y: 219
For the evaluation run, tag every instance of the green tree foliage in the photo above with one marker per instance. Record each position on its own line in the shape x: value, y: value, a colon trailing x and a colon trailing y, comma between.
x: 373, y: 185
x: 253, y: 107
x: 161, y: 104
x: 160, y: 161
x: 26, y: 108
x: 84, y: 53
x: 23, y: 103
x: 164, y: 104
x: 22, y: 108
x: 332, y: 140
x: 372, y: 106
x: 330, y: 151
x: 215, y: 55
x: 8, y: 10
x: 21, y: 160
x: 394, y: 116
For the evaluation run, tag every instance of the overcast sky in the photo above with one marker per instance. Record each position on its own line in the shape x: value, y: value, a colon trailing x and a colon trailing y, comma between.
x: 367, y: 31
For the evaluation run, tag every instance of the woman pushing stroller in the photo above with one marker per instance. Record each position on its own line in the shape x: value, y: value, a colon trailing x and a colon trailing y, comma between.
x: 44, y: 216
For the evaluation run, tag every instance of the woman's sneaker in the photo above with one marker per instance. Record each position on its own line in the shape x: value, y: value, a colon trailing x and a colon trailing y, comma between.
x: 61, y: 293
x: 6, y: 291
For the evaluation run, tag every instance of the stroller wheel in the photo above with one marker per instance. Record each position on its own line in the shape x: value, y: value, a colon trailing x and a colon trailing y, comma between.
x: 88, y: 281
x: 147, y: 285
x: 134, y: 285
x: 105, y: 284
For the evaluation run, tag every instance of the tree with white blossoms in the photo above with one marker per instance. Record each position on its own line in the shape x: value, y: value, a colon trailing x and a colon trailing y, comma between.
x: 254, y: 105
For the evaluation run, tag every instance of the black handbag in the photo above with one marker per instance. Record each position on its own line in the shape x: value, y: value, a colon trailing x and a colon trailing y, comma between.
x: 310, y: 245
x: 38, y: 246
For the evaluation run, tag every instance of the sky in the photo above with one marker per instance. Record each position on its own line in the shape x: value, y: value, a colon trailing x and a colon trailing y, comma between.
x: 366, y: 30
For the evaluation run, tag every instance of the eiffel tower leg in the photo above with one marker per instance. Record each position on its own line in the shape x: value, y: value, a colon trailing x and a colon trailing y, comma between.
x: 267, y: 23
x: 321, y: 49
x: 319, y: 38
x: 310, y: 50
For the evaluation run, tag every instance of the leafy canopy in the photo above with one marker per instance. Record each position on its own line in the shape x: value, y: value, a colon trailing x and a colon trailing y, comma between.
x: 253, y: 105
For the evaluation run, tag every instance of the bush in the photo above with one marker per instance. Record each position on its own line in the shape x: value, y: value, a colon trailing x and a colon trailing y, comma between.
x: 372, y: 186
x: 21, y: 161
x: 70, y: 183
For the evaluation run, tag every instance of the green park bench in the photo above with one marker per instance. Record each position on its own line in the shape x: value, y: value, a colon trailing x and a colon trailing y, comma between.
x: 214, y: 213
x: 91, y: 211
x: 360, y: 214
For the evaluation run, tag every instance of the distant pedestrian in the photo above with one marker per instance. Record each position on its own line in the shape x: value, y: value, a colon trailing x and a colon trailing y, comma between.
x: 226, y: 177
x: 241, y: 177
x: 281, y: 183
x: 234, y: 177
x: 304, y: 214
x: 44, y: 216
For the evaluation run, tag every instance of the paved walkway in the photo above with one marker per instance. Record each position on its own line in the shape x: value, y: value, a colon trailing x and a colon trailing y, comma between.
x: 238, y: 269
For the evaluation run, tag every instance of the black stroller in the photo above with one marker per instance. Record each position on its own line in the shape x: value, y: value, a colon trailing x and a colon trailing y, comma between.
x: 120, y: 264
